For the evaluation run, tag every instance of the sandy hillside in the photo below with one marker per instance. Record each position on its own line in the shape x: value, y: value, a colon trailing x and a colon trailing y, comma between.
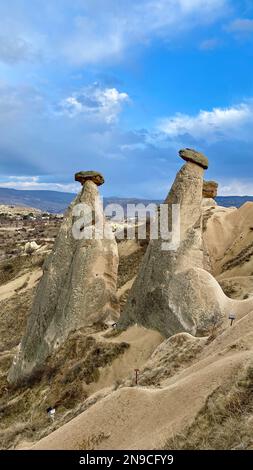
x: 22, y: 411
x: 22, y: 283
x: 229, y: 238
x: 186, y: 388
x: 177, y: 381
x: 18, y: 210
x: 228, y: 235
x: 146, y: 417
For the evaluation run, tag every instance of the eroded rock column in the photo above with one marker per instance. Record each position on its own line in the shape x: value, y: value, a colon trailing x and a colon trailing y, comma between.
x: 78, y: 286
x: 172, y: 291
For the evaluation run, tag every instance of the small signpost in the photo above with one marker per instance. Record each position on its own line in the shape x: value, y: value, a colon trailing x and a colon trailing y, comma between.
x: 136, y: 375
x: 232, y: 318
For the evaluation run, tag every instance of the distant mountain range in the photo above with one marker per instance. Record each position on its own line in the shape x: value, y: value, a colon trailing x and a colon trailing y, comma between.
x: 49, y: 201
x: 233, y: 201
x: 57, y: 202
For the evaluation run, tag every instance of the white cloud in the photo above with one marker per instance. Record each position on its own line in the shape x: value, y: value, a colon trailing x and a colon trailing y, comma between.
x: 94, y: 31
x: 16, y: 100
x: 118, y: 25
x: 15, y: 49
x: 241, y: 26
x: 101, y: 103
x: 23, y: 35
x: 33, y: 183
x: 36, y: 137
x: 236, y: 188
x: 218, y: 124
x: 24, y: 179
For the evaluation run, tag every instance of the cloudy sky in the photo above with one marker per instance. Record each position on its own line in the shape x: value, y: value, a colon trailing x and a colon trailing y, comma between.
x: 119, y: 86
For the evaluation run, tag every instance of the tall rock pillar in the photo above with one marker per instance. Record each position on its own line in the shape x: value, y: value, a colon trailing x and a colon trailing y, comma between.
x: 172, y: 292
x: 78, y: 286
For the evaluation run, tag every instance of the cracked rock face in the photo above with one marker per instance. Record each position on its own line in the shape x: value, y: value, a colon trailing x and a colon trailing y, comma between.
x: 190, y: 155
x: 172, y: 292
x: 210, y: 189
x: 77, y: 289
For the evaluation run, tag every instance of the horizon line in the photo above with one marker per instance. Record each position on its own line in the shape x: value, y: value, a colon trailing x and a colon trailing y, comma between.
x: 112, y: 197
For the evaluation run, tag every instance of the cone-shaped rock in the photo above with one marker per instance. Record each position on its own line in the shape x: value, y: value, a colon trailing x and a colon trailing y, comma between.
x: 172, y: 291
x: 78, y: 286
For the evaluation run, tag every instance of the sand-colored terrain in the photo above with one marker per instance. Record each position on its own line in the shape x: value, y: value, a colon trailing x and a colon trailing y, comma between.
x: 183, y: 394
x: 143, y: 417
x: 229, y: 238
x: 22, y: 283
x: 142, y: 344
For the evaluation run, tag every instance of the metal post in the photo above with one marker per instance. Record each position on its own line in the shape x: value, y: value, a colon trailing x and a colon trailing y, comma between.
x: 136, y: 376
x: 232, y: 318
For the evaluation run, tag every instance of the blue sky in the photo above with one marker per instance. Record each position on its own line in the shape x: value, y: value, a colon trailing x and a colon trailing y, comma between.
x: 119, y: 87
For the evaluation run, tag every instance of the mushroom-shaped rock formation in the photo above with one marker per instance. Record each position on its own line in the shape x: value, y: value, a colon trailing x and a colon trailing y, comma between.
x: 190, y: 155
x: 172, y: 292
x: 210, y: 189
x: 83, y: 176
x: 77, y: 289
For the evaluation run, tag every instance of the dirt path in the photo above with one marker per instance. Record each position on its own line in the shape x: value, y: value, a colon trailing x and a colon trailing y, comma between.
x: 142, y: 343
x: 22, y: 283
x: 142, y: 418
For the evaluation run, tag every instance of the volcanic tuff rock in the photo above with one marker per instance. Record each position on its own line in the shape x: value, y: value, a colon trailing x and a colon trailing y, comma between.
x: 31, y: 247
x: 190, y: 155
x: 83, y: 176
x: 173, y: 292
x: 208, y: 203
x: 78, y: 288
x: 210, y: 189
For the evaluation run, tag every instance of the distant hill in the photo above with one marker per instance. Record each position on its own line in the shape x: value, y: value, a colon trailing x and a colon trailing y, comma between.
x: 49, y: 201
x: 233, y: 201
x: 57, y: 202
x: 54, y: 201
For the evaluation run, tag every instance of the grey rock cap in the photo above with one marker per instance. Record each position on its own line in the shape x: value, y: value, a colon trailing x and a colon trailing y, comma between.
x: 191, y: 155
x: 95, y: 176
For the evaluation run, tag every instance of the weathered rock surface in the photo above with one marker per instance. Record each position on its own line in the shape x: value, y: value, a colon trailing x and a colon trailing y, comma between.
x: 190, y: 155
x: 77, y: 289
x: 31, y: 247
x: 208, y: 203
x: 210, y: 189
x: 173, y: 292
x: 83, y: 176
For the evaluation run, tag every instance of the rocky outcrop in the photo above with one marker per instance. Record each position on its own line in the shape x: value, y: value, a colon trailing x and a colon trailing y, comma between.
x: 190, y: 155
x: 173, y: 292
x: 83, y: 176
x: 208, y: 203
x: 31, y: 247
x: 210, y: 189
x: 77, y: 289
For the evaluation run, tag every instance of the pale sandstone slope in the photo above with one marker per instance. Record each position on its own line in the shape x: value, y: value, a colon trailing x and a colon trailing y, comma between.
x: 228, y: 238
x: 144, y: 417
